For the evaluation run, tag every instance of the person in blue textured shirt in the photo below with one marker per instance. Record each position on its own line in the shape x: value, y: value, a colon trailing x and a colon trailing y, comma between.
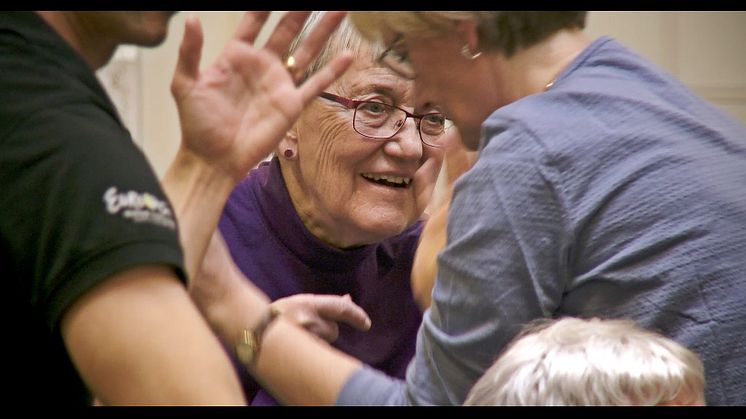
x: 603, y: 188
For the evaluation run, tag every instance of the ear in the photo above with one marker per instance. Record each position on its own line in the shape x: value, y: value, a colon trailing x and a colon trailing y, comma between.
x: 288, y: 147
x: 467, y: 30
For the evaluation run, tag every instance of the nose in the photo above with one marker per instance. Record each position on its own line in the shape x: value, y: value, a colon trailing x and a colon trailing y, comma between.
x: 406, y: 144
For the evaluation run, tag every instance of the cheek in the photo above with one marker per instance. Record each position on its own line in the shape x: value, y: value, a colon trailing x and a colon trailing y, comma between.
x: 324, y: 160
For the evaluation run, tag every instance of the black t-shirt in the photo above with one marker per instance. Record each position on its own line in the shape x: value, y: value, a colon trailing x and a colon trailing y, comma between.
x: 78, y: 203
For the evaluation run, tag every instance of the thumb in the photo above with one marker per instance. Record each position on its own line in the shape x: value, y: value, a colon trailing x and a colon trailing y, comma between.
x: 190, y: 53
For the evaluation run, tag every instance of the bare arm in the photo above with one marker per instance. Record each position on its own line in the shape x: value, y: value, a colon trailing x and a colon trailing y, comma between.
x: 425, y: 264
x: 433, y: 238
x: 296, y: 367
x: 138, y: 339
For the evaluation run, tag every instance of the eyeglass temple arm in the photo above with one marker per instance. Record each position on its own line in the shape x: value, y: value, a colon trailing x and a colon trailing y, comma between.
x: 339, y: 99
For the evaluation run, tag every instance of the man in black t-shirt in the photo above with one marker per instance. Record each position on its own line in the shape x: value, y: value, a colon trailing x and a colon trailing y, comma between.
x: 89, y: 242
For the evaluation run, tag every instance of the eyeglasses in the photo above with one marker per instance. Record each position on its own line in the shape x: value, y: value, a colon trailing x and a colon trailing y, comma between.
x: 397, y: 61
x: 380, y: 121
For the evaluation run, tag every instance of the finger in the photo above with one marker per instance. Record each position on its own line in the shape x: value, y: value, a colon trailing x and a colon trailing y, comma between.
x: 250, y: 25
x: 305, y: 318
x: 321, y: 79
x: 190, y: 53
x: 287, y: 28
x: 329, y: 331
x: 315, y: 40
x: 340, y: 309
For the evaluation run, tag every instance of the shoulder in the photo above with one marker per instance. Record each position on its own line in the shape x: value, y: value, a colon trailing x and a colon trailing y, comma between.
x: 79, y: 136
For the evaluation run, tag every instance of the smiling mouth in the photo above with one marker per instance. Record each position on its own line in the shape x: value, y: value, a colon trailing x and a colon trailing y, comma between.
x: 388, y: 180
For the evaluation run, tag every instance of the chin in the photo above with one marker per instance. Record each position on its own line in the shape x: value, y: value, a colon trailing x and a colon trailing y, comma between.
x: 155, y: 28
x: 384, y: 228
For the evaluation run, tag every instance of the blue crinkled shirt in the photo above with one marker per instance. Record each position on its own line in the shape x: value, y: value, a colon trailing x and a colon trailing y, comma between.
x: 617, y: 193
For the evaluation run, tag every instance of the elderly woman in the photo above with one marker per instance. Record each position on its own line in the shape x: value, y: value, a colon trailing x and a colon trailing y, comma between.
x: 337, y: 210
x: 603, y: 188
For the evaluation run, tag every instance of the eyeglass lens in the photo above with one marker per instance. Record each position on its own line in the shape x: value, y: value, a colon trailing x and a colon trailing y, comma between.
x: 379, y: 120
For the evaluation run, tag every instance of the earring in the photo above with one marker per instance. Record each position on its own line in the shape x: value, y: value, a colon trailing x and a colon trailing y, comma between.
x: 288, y: 153
x: 466, y: 52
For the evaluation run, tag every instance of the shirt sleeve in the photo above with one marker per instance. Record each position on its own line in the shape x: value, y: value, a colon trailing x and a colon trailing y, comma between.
x: 84, y: 205
x: 370, y: 387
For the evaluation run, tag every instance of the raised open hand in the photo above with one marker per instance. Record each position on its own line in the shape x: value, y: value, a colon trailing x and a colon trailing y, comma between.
x: 234, y: 112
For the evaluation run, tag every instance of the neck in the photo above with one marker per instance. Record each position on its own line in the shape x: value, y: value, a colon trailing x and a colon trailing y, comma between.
x: 82, y: 36
x: 532, y: 70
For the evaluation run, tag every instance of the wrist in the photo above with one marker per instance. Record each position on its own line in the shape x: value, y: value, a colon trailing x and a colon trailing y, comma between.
x: 248, y: 343
x: 223, y: 312
x: 198, y: 170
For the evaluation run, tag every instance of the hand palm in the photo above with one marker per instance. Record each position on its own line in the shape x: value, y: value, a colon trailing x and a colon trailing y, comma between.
x: 235, y: 112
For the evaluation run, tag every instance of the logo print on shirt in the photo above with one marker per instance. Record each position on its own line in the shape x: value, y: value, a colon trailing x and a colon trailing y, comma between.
x: 139, y: 207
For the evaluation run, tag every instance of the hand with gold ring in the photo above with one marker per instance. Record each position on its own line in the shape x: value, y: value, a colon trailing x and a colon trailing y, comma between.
x: 234, y: 112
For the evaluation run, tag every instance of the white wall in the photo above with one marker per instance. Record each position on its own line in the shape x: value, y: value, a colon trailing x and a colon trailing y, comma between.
x: 155, y: 119
x: 705, y: 50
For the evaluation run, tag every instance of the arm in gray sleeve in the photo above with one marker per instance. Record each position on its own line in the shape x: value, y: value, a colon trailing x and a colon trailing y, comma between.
x: 370, y: 387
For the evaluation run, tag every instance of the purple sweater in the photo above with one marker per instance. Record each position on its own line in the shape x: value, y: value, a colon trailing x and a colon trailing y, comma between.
x: 272, y: 247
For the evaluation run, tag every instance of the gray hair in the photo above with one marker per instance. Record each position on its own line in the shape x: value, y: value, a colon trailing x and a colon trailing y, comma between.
x: 591, y: 362
x: 345, y: 37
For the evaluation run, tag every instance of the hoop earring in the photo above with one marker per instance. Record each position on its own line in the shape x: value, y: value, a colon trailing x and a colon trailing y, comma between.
x: 466, y: 52
x: 288, y: 153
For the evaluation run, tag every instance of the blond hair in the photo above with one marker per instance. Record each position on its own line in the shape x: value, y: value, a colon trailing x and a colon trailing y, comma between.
x: 506, y: 32
x: 591, y: 362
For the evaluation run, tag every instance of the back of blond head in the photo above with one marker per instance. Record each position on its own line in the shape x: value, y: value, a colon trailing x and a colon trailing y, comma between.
x: 591, y: 362
x: 503, y: 31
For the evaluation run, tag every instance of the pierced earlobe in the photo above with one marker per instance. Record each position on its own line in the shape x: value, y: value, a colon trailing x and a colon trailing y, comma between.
x: 466, y: 52
x: 288, y: 153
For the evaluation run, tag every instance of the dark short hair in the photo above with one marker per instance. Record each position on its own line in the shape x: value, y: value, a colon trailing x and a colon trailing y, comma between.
x: 508, y: 32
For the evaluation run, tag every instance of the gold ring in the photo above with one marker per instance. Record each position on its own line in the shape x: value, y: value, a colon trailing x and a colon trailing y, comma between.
x: 290, y: 64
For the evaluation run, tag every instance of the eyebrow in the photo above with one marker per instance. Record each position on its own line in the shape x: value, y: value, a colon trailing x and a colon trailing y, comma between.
x: 385, y: 89
x: 380, y: 88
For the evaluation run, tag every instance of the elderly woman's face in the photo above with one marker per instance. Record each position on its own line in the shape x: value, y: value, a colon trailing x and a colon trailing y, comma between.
x: 354, y: 190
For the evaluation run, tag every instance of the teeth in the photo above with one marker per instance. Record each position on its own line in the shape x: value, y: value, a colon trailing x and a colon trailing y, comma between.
x: 389, y: 178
